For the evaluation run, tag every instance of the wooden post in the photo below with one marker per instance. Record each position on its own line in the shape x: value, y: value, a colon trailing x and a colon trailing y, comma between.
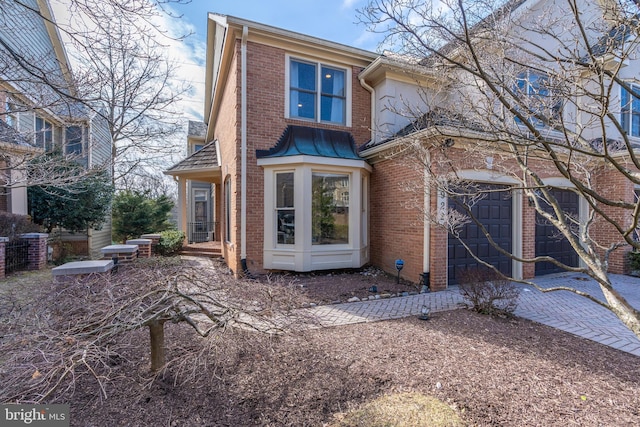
x: 156, y: 333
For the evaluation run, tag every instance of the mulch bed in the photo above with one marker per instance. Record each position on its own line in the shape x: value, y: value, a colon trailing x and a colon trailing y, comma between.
x: 493, y: 371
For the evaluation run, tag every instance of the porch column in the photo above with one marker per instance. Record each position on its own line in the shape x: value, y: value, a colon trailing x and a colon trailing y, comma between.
x: 218, y: 215
x: 182, y: 204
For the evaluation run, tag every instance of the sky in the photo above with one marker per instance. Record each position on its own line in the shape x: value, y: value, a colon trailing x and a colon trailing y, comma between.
x: 333, y: 20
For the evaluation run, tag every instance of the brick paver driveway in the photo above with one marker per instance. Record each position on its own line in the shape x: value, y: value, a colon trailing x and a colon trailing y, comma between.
x: 562, y: 309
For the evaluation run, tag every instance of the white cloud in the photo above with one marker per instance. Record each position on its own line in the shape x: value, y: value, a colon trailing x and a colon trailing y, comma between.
x: 348, y: 4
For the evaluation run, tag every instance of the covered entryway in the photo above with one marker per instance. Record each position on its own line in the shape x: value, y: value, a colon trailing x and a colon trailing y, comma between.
x: 494, y: 212
x: 195, y: 174
x: 550, y: 242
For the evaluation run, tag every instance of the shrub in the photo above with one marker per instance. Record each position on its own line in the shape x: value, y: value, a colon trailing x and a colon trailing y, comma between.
x: 12, y: 225
x: 634, y: 260
x: 136, y: 213
x: 170, y: 243
x: 486, y: 292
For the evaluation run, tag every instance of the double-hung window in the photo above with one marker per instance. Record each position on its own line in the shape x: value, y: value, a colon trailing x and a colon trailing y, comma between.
x: 285, y: 209
x: 538, y: 102
x: 317, y: 92
x: 630, y: 119
x: 44, y: 134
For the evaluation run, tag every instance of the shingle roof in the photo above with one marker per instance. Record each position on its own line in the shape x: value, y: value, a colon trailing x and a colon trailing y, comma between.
x: 197, y: 129
x: 303, y: 140
x: 205, y: 158
x: 433, y: 118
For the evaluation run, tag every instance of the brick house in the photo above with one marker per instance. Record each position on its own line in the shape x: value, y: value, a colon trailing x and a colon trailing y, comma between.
x: 35, y: 119
x: 305, y: 134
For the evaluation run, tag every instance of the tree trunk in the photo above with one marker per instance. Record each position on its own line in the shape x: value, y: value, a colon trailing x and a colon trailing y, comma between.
x: 156, y: 333
x: 621, y: 308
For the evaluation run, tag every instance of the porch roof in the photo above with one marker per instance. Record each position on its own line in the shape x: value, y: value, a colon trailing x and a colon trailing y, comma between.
x: 308, y: 141
x: 202, y: 165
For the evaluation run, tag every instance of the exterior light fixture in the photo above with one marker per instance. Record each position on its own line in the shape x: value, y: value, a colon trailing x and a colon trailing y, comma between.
x: 399, y: 267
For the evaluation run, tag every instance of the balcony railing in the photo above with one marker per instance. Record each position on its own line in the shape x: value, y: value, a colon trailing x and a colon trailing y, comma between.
x: 201, y: 231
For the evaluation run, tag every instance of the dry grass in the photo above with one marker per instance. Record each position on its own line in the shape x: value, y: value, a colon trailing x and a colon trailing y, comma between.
x: 401, y: 410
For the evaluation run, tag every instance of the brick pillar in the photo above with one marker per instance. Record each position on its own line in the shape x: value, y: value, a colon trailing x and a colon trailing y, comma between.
x: 3, y: 242
x: 37, y: 250
x: 155, y: 239
x: 144, y: 247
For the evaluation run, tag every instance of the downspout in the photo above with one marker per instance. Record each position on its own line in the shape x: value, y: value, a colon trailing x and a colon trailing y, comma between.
x: 371, y: 90
x: 243, y: 153
x: 427, y: 227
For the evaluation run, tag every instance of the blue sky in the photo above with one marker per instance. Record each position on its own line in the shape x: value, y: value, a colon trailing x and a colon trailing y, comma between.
x: 333, y: 20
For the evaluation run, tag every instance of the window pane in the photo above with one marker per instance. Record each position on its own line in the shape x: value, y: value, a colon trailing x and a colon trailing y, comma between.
x: 332, y: 82
x: 303, y: 104
x: 286, y: 226
x: 284, y: 186
x: 74, y: 140
x: 303, y: 76
x: 630, y: 113
x: 332, y: 109
x: 285, y: 218
x: 330, y: 209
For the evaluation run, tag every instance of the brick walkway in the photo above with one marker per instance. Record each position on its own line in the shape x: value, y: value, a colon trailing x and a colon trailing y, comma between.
x: 562, y: 310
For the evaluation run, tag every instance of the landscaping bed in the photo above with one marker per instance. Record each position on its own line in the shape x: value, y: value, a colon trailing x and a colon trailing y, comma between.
x: 492, y: 371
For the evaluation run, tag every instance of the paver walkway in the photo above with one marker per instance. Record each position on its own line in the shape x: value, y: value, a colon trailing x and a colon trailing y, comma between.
x: 562, y: 309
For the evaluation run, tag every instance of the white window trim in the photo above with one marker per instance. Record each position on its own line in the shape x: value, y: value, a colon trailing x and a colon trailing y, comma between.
x: 620, y: 118
x: 303, y: 255
x: 319, y: 63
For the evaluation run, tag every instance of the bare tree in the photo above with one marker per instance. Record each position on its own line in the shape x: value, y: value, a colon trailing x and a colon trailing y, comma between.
x: 81, y: 328
x: 121, y: 73
x: 534, y: 91
x: 127, y: 73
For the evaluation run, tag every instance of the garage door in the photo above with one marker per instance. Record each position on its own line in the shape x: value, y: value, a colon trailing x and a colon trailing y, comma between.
x: 550, y: 242
x: 494, y: 211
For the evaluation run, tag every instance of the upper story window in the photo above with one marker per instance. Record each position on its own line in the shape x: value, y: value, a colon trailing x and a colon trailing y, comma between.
x: 540, y: 104
x: 197, y: 147
x: 317, y: 92
x: 74, y: 140
x: 44, y: 134
x: 630, y: 119
x: 11, y: 114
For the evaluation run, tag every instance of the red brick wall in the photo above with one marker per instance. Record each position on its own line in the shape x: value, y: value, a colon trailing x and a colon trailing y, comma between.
x: 227, y: 131
x: 396, y: 230
x: 614, y: 186
x: 265, y: 124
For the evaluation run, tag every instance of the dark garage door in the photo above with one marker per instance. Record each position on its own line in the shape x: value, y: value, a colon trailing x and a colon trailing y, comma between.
x: 494, y: 212
x: 550, y: 242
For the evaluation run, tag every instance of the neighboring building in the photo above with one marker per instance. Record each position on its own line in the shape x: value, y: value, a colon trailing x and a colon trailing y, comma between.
x: 35, y: 118
x: 302, y: 139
